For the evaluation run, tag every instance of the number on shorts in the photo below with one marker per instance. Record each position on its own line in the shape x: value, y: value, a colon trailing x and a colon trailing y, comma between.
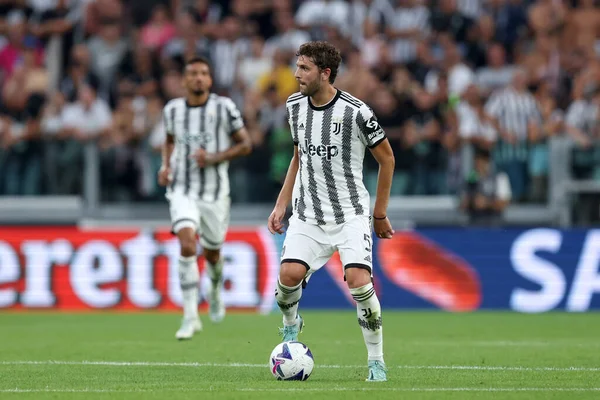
x: 368, y: 240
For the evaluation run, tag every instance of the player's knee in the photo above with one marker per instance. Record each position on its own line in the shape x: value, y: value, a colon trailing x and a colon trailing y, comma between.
x: 212, y: 256
x: 291, y: 273
x: 187, y: 242
x: 357, y: 275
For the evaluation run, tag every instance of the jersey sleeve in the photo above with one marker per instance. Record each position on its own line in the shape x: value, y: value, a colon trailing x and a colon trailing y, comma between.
x: 371, y: 132
x: 293, y: 126
x: 235, y: 121
x: 169, y: 120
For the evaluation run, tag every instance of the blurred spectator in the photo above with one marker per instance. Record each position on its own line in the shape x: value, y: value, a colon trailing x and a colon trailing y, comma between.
x: 447, y: 18
x: 281, y: 77
x: 356, y: 78
x: 159, y: 30
x: 255, y: 65
x: 510, y: 19
x: 371, y: 44
x: 53, y: 19
x: 481, y: 37
x: 546, y: 16
x: 405, y: 25
x: 497, y: 73
x: 551, y: 126
x: 582, y: 125
x: 227, y: 53
x: 107, y: 51
x: 102, y: 12
x: 122, y: 158
x: 393, y: 110
x: 475, y: 127
x: 288, y: 37
x: 140, y: 69
x: 11, y: 55
x: 314, y: 15
x: 517, y: 119
x: 187, y: 41
x: 486, y: 191
x: 86, y: 120
x: 78, y: 73
x: 460, y: 76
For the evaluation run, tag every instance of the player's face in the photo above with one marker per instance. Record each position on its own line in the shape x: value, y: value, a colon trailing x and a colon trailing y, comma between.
x: 308, y: 76
x: 197, y: 78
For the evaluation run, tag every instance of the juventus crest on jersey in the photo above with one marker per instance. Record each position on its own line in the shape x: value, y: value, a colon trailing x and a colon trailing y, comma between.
x: 331, y: 141
x: 209, y: 127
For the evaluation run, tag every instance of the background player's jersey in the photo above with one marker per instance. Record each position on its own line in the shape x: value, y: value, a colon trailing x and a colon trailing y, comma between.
x: 331, y: 142
x: 209, y: 126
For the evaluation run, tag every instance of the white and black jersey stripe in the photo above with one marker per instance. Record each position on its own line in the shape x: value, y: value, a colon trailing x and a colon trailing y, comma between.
x: 514, y: 111
x: 406, y: 19
x: 210, y: 127
x: 584, y: 115
x: 331, y: 141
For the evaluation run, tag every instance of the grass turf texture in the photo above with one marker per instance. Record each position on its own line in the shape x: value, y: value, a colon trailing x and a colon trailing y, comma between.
x: 429, y: 356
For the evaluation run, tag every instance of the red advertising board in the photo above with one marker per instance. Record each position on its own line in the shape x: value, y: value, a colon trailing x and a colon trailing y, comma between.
x: 66, y: 268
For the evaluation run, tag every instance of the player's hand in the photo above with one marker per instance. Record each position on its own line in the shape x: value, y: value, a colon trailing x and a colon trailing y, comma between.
x: 205, y: 159
x: 275, y: 223
x: 164, y: 176
x: 383, y: 228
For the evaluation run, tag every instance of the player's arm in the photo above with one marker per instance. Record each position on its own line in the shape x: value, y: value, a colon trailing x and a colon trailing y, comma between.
x: 375, y: 139
x: 275, y: 223
x: 285, y: 195
x: 164, y: 174
x: 242, y: 146
x: 384, y: 155
x: 242, y: 143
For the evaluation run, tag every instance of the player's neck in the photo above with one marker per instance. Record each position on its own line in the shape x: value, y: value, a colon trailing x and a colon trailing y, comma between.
x: 323, y: 96
x: 197, y: 100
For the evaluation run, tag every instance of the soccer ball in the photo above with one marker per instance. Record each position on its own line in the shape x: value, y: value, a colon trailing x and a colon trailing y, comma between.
x: 291, y: 361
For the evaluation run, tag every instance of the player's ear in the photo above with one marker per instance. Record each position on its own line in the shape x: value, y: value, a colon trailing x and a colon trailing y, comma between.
x: 325, y: 74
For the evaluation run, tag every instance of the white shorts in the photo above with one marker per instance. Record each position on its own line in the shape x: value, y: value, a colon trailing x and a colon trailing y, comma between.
x: 313, y: 245
x: 209, y: 220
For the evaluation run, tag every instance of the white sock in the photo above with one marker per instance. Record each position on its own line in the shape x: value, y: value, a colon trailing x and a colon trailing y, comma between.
x: 215, y: 273
x: 189, y: 279
x: 369, y: 319
x: 287, y: 300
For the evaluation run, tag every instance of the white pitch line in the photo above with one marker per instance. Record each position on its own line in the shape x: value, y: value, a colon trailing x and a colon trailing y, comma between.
x: 330, y: 366
x: 298, y: 389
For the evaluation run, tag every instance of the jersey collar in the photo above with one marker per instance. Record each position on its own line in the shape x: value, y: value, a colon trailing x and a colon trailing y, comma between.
x: 325, y: 106
x: 198, y: 105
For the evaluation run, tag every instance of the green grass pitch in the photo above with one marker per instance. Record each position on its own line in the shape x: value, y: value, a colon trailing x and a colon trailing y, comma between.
x: 430, y: 355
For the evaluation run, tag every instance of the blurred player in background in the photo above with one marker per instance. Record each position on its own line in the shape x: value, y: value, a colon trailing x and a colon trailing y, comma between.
x: 331, y: 208
x: 204, y: 132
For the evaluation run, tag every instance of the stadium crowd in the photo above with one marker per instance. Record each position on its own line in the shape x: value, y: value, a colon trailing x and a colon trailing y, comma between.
x: 443, y: 76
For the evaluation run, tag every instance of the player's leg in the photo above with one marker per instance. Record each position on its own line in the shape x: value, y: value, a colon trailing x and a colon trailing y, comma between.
x: 355, y: 253
x: 184, y: 215
x: 214, y: 221
x: 305, y: 250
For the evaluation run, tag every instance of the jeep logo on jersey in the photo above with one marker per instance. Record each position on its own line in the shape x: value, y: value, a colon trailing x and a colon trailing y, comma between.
x: 321, y: 150
x: 199, y: 139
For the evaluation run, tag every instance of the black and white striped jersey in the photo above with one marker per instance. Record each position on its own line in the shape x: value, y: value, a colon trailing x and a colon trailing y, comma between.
x: 331, y: 141
x: 210, y: 127
x: 514, y: 110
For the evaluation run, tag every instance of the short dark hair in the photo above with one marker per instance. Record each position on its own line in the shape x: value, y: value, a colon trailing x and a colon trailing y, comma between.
x: 324, y: 55
x: 483, y: 153
x: 198, y: 60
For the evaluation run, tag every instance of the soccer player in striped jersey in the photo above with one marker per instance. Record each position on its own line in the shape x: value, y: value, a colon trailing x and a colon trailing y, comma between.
x: 204, y: 132
x: 331, y: 131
